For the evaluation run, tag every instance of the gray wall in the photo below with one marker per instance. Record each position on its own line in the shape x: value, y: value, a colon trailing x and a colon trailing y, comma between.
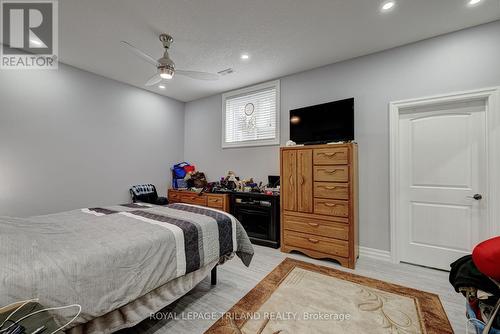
x: 72, y: 139
x: 463, y: 60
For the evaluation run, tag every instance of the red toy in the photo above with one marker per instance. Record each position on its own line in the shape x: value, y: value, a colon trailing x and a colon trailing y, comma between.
x: 486, y: 257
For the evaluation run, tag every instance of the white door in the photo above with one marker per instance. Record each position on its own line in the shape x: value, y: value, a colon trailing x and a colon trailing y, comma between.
x: 442, y: 178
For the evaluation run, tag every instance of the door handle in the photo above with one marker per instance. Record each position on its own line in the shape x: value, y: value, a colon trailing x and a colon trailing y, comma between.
x: 477, y: 197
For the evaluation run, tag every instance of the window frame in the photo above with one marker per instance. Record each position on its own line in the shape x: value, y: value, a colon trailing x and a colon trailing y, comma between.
x: 247, y: 90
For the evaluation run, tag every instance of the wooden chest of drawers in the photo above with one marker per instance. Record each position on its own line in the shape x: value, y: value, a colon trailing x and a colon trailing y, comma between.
x: 216, y: 201
x: 319, y: 201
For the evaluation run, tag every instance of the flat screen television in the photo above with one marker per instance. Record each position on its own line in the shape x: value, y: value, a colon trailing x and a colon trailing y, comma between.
x: 323, y: 123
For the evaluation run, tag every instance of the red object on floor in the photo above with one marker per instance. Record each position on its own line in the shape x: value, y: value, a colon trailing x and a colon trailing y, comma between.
x: 475, y: 307
x: 486, y: 257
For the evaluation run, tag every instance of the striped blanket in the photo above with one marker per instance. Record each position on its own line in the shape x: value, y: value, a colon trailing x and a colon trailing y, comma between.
x: 104, y: 258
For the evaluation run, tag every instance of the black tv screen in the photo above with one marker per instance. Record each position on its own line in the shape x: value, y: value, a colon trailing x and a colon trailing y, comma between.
x: 323, y: 123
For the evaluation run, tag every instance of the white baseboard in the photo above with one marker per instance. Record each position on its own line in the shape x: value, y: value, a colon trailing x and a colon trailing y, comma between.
x: 376, y: 254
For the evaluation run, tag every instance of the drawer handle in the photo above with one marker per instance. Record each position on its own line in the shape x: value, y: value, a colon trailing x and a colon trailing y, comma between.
x: 314, y: 241
x: 329, y: 187
x: 331, y: 205
x: 314, y: 224
x: 330, y: 171
x: 328, y: 154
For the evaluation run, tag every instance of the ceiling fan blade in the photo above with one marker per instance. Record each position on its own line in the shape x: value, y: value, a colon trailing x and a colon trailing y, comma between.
x: 154, y: 80
x: 198, y: 75
x: 140, y: 53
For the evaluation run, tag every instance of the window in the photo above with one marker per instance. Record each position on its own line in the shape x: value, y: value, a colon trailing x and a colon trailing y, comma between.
x: 250, y: 116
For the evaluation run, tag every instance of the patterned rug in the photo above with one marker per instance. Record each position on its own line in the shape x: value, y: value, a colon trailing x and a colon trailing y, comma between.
x: 299, y: 297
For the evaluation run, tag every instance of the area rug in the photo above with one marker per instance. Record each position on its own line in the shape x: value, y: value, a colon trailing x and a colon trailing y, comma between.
x: 300, y: 297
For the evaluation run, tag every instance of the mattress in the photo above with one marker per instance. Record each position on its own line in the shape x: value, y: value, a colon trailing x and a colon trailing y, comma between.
x: 105, y: 258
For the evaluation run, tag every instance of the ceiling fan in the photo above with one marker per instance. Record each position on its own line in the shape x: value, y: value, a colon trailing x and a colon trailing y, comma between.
x: 165, y: 66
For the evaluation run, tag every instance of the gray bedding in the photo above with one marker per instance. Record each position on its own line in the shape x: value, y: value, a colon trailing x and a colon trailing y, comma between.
x: 105, y: 258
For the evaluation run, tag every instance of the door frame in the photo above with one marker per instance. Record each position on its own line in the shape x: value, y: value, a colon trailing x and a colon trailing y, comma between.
x: 492, y: 101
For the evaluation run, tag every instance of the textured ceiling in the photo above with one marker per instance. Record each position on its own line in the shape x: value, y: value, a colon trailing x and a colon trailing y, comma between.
x: 281, y: 36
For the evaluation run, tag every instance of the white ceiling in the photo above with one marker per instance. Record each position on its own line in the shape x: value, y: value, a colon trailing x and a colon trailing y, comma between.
x: 281, y: 36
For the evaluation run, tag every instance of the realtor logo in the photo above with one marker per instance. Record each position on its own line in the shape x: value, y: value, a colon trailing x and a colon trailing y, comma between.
x: 29, y: 34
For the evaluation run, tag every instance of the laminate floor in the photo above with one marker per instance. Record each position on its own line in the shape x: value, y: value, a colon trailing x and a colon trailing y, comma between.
x: 198, y: 310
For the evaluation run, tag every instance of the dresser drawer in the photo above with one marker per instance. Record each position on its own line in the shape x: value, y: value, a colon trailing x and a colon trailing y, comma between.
x: 316, y: 227
x: 331, y: 173
x: 331, y: 190
x: 316, y: 243
x: 194, y: 199
x: 331, y: 207
x: 174, y: 197
x: 331, y: 156
x: 215, y: 201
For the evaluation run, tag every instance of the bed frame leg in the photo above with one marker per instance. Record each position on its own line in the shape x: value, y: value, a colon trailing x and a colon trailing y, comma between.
x: 213, y: 276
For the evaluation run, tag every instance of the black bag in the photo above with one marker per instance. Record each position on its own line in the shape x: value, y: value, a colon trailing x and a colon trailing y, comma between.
x: 197, y: 180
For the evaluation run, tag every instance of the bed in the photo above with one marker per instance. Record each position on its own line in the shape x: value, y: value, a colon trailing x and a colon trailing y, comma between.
x: 120, y: 263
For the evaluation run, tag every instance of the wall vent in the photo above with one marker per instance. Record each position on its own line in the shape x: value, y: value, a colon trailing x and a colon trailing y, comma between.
x: 226, y: 71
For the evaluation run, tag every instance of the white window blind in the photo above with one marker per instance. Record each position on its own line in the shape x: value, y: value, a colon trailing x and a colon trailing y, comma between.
x: 251, y: 116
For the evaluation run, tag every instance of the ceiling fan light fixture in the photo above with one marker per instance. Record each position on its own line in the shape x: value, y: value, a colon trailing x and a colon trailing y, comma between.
x: 166, y: 73
x: 167, y: 76
x: 165, y: 67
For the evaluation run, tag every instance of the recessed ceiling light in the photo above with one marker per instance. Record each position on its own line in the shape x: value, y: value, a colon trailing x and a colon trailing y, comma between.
x: 388, y: 5
x: 474, y: 2
x: 161, y: 87
x: 245, y: 56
